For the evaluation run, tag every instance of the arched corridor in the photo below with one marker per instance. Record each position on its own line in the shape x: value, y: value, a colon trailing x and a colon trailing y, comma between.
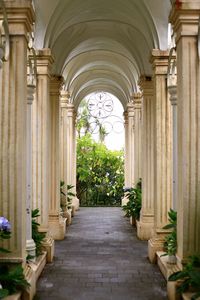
x: 53, y: 53
x: 101, y: 259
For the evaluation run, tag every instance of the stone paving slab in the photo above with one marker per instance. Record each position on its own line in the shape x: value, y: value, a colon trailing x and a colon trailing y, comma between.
x: 101, y: 259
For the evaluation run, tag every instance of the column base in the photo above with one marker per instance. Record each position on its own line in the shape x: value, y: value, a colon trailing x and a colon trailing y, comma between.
x: 30, y: 248
x: 167, y: 269
x: 165, y: 266
x: 57, y: 227
x: 144, y: 230
x: 16, y: 296
x: 48, y: 246
x: 32, y: 272
x: 155, y: 244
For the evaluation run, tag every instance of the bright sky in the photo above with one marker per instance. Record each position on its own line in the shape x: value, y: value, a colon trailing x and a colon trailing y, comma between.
x: 113, y: 121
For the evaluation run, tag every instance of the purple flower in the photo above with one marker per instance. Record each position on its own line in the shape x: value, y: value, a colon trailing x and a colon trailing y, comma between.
x: 4, y: 224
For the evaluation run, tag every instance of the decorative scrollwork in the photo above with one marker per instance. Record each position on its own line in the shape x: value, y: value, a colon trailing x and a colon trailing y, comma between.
x: 172, y: 69
x: 4, y: 35
x: 100, y: 115
x: 100, y: 105
x: 32, y: 63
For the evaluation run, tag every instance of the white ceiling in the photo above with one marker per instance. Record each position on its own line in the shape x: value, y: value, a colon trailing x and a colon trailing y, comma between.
x: 101, y: 44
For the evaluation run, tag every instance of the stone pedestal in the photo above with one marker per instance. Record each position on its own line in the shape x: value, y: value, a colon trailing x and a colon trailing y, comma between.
x: 13, y: 132
x: 42, y: 144
x: 57, y: 224
x: 162, y: 152
x: 186, y: 26
x: 146, y: 222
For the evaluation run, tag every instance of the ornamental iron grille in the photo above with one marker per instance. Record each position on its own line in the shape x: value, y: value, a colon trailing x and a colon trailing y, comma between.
x: 99, y: 112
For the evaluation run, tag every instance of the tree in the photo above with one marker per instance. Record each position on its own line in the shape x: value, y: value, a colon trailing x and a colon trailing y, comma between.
x: 100, y: 173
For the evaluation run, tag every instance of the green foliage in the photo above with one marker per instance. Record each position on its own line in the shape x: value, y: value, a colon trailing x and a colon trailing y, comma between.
x: 133, y: 206
x: 189, y: 276
x: 3, y: 293
x: 12, y: 280
x: 100, y: 173
x: 83, y: 125
x: 37, y: 236
x: 70, y: 196
x: 170, y: 243
x: 66, y: 195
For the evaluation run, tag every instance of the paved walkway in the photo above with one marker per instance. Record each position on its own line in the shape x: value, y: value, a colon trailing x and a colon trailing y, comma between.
x: 101, y: 259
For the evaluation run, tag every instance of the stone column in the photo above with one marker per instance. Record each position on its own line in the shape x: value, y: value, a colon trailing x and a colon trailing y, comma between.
x: 146, y: 222
x: 30, y: 244
x: 172, y: 89
x: 68, y: 144
x: 13, y: 123
x: 71, y: 151
x: 57, y: 224
x: 129, y: 148
x: 137, y: 136
x: 186, y: 23
x: 162, y: 152
x: 42, y: 145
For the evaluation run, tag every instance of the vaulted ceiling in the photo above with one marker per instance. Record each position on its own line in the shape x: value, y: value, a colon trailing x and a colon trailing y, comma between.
x: 101, y: 44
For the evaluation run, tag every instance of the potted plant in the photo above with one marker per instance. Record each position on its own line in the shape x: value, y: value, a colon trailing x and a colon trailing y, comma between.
x: 170, y: 243
x: 12, y: 279
x: 37, y: 236
x: 189, y: 277
x: 133, y: 206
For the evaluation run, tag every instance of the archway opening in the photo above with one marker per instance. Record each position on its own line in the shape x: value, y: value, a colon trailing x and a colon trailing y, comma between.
x: 100, y: 150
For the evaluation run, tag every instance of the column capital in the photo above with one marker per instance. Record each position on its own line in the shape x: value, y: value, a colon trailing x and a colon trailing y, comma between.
x: 70, y: 110
x: 44, y: 61
x: 56, y: 82
x: 159, y: 60
x: 20, y: 15
x: 185, y: 18
x: 125, y: 118
x: 64, y: 98
x: 130, y: 109
x: 137, y: 100
x: 146, y: 85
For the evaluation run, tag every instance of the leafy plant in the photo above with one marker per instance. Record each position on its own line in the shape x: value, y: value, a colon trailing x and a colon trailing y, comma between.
x: 37, y: 236
x: 68, y: 195
x: 12, y: 280
x: 133, y: 206
x: 170, y: 243
x: 3, y: 292
x: 189, y: 276
x: 63, y: 203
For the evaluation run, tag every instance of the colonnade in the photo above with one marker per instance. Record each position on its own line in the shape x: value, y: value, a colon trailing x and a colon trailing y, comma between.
x: 32, y: 140
x: 170, y: 139
x: 162, y: 141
